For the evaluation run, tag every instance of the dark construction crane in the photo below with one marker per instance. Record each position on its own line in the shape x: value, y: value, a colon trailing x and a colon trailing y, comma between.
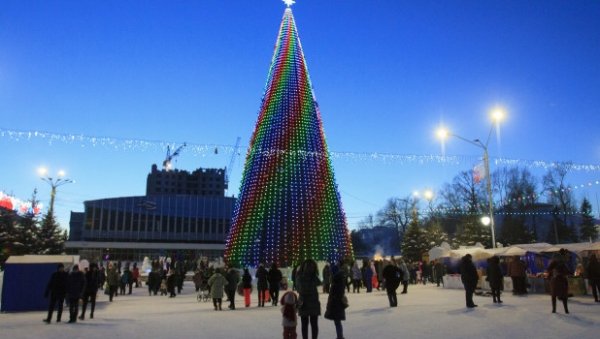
x: 167, y: 163
x: 231, y: 161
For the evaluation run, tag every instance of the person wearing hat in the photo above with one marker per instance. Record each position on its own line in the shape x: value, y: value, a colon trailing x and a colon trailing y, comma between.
x: 75, y: 287
x: 90, y: 290
x: 56, y: 290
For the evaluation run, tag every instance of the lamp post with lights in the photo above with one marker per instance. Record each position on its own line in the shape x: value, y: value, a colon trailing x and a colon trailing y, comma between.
x: 443, y: 134
x: 55, y: 182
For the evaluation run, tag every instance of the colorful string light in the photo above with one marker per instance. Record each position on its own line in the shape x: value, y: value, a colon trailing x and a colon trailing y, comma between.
x: 289, y: 208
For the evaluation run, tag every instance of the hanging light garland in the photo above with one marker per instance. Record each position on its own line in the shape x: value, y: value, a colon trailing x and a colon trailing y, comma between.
x: 203, y: 150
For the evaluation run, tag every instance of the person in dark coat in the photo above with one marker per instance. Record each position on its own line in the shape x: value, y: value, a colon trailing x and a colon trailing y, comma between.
x: 392, y: 278
x: 438, y: 272
x: 233, y: 279
x: 274, y: 276
x: 517, y: 271
x: 247, y: 286
x: 153, y: 282
x: 592, y: 271
x: 90, y: 291
x: 469, y: 277
x: 198, y: 279
x: 262, y: 284
x: 367, y: 275
x: 327, y: 278
x: 101, y: 277
x: 559, y: 285
x: 126, y: 280
x: 337, y: 302
x: 309, y: 308
x: 112, y: 279
x: 179, y: 275
x: 495, y: 278
x: 56, y: 290
x: 75, y: 286
x: 171, y: 283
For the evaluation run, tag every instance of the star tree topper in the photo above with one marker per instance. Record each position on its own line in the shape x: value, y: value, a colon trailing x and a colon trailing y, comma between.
x: 289, y: 3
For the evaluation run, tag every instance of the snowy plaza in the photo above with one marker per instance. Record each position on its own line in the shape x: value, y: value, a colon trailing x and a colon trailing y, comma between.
x: 425, y: 312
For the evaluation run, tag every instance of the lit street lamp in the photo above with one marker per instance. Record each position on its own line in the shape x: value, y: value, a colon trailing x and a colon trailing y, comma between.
x: 54, y: 183
x: 497, y: 116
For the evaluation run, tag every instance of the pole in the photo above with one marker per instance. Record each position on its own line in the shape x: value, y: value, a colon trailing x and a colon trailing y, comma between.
x: 486, y: 161
x: 52, y: 196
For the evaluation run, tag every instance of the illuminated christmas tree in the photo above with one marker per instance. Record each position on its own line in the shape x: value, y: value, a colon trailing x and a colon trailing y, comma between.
x: 289, y: 208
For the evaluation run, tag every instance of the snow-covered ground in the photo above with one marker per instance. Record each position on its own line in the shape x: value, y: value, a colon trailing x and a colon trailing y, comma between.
x: 425, y: 312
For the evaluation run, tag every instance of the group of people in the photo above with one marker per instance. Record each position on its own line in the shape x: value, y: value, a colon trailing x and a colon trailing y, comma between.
x: 306, y: 305
x: 303, y: 300
x: 72, y: 286
x: 557, y: 274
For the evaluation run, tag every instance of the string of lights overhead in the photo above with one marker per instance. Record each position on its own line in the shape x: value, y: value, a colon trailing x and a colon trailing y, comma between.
x: 196, y: 149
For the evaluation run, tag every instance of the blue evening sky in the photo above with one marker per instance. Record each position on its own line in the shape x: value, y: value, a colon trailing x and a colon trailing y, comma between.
x: 386, y: 74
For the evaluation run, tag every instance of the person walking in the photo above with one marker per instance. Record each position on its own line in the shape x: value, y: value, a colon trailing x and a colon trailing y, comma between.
x: 90, y: 291
x: 438, y: 272
x: 126, y: 280
x: 75, y: 285
x: 101, y: 277
x: 56, y: 289
x: 233, y: 279
x: 274, y: 277
x: 309, y: 308
x: 217, y: 283
x: 557, y: 272
x: 367, y: 275
x: 495, y: 278
x: 135, y: 275
x: 153, y: 281
x: 197, y: 279
x: 289, y: 301
x: 592, y: 272
x: 171, y: 283
x: 326, y: 274
x: 112, y: 279
x: 392, y: 278
x: 356, y: 277
x: 262, y: 284
x: 469, y: 278
x: 337, y: 301
x: 405, y: 276
x: 247, y: 286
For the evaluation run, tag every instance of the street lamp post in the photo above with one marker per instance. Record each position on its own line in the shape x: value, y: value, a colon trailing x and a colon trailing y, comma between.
x: 54, y: 183
x: 497, y: 116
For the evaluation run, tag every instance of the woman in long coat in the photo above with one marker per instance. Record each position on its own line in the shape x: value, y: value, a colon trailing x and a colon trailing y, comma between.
x: 559, y: 285
x: 495, y: 278
x: 309, y: 308
x: 337, y: 302
x: 217, y: 283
